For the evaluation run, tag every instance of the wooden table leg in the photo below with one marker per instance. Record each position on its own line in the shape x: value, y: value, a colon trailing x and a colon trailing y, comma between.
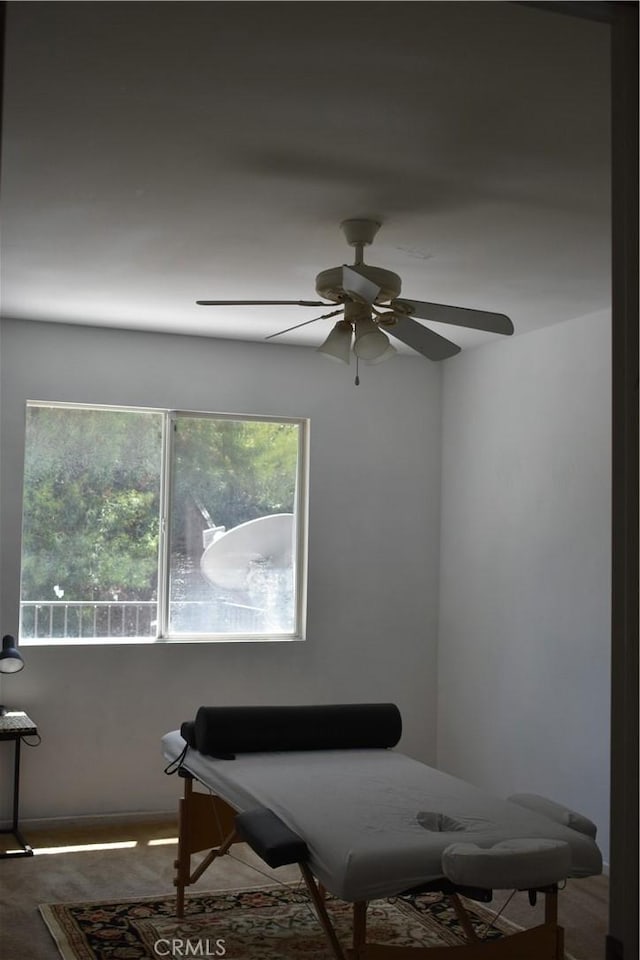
x: 359, y: 926
x: 321, y: 912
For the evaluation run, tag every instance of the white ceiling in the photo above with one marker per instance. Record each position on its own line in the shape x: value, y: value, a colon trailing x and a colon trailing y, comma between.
x: 159, y: 153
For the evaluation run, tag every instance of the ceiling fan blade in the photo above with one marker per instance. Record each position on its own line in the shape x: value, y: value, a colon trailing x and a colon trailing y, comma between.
x: 359, y: 286
x: 304, y: 323
x: 459, y: 316
x: 262, y: 303
x: 425, y: 341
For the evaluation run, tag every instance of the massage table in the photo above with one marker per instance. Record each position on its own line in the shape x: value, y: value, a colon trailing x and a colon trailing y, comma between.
x: 322, y: 786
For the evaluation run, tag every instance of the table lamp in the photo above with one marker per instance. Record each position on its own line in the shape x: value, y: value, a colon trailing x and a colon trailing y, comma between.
x: 10, y: 660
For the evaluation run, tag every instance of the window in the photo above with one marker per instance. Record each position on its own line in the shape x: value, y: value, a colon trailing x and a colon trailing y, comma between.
x: 144, y: 524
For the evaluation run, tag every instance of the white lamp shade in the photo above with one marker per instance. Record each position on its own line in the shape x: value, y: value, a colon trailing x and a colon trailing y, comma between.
x: 388, y: 353
x: 337, y: 346
x: 371, y: 343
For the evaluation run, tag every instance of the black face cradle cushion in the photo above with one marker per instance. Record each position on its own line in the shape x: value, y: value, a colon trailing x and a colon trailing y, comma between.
x: 224, y: 731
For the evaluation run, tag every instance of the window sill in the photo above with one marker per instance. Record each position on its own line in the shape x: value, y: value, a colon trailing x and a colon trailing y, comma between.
x: 161, y: 641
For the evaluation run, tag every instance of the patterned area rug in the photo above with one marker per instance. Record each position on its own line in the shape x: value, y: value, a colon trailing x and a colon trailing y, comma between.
x: 274, y: 923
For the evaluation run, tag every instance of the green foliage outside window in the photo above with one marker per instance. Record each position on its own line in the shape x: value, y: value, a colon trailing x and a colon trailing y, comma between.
x: 236, y: 470
x: 91, y: 504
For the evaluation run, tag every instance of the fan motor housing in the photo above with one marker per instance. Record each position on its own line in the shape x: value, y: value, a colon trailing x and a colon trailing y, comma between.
x: 329, y: 283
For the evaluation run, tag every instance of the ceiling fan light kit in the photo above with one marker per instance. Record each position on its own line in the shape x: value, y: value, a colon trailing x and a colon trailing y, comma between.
x: 370, y: 342
x: 337, y: 346
x: 388, y: 353
x: 359, y: 289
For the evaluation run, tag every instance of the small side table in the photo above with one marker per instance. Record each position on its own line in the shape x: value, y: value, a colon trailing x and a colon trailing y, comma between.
x: 14, y: 725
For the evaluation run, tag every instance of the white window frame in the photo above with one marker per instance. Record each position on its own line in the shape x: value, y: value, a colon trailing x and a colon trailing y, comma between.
x: 301, y: 511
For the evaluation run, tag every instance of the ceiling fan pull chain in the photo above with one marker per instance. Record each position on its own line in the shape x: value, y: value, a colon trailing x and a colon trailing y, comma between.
x: 357, y: 379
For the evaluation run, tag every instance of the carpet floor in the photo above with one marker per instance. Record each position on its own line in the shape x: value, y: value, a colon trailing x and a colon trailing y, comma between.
x: 268, y: 923
x: 107, y: 861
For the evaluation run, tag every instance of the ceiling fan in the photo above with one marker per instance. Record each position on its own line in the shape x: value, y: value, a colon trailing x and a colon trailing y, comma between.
x: 369, y: 300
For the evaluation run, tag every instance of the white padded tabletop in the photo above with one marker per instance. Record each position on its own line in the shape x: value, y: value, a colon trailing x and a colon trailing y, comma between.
x: 376, y: 822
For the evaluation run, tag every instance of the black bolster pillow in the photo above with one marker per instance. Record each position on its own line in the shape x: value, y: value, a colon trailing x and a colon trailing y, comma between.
x: 270, y: 837
x: 188, y: 732
x: 224, y: 731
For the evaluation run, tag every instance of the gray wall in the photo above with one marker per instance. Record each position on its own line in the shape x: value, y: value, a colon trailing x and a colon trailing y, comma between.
x: 523, y: 649
x: 373, y: 557
x: 524, y: 639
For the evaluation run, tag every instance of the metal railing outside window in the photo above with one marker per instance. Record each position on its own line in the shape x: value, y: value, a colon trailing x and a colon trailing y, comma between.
x: 129, y: 619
